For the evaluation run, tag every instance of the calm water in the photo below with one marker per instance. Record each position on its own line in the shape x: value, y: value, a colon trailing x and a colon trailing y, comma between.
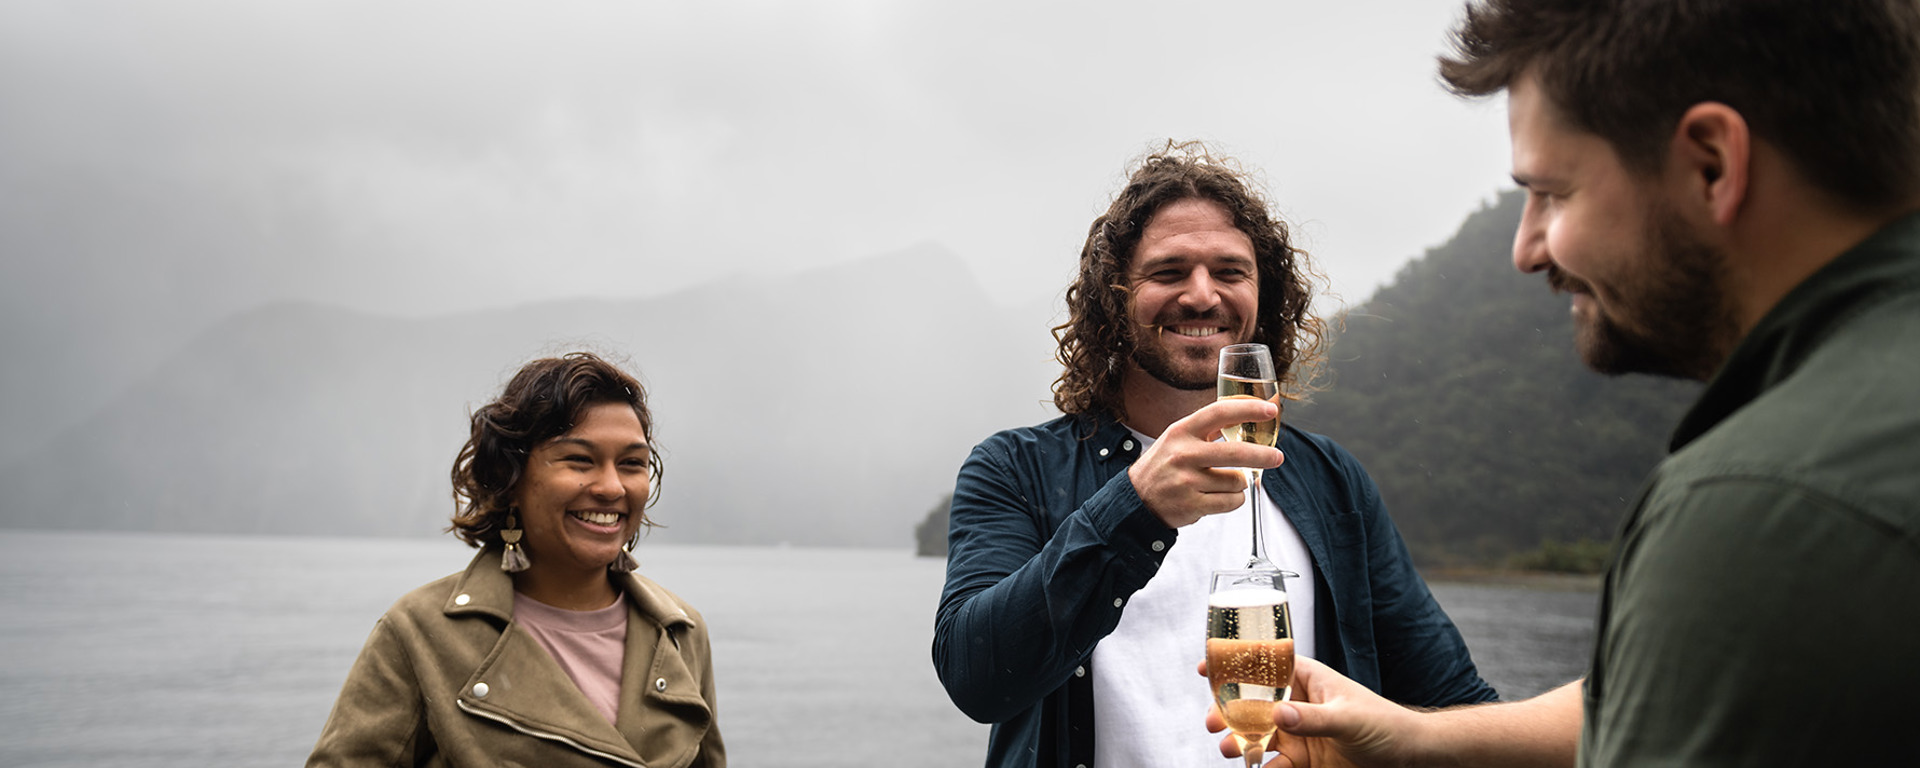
x: 164, y: 650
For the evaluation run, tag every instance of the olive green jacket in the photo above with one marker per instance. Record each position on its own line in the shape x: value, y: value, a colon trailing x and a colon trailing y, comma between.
x: 1762, y: 599
x: 448, y: 679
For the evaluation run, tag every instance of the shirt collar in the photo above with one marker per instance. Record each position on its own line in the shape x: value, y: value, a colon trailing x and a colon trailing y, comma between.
x: 1884, y: 265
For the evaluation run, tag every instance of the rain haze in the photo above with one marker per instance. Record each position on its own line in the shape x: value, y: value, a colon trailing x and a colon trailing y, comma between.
x: 259, y: 261
x: 169, y: 165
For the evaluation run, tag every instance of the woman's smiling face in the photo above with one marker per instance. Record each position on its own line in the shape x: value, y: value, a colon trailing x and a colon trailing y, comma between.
x: 583, y: 493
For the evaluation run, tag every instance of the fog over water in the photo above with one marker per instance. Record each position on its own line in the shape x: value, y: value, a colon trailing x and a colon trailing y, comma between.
x: 170, y: 166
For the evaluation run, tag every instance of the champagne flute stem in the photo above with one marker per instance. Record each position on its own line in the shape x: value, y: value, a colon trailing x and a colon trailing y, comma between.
x: 1253, y: 749
x: 1259, y: 553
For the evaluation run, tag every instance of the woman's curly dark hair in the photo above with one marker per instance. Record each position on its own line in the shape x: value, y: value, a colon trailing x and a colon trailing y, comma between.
x: 544, y: 400
x: 1097, y: 341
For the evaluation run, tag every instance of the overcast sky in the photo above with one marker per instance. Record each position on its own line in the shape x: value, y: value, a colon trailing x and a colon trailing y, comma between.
x: 163, y: 165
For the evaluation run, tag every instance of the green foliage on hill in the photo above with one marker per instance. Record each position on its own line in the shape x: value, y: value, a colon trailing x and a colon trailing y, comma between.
x: 1457, y: 387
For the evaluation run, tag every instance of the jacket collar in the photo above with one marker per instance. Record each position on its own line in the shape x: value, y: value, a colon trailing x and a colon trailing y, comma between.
x: 1878, y: 268
x: 485, y: 589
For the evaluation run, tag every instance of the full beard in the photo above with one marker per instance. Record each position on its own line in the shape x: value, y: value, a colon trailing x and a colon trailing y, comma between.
x: 1189, y: 370
x: 1672, y: 319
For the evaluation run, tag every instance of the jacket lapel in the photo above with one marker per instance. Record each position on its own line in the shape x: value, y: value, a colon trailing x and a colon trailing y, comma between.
x: 656, y: 679
x: 524, y: 687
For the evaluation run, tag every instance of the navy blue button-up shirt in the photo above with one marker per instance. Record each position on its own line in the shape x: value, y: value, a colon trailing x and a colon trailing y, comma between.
x: 1047, y: 541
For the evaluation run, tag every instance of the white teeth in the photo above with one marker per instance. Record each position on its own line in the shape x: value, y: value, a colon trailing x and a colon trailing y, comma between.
x: 1196, y: 332
x: 598, y: 518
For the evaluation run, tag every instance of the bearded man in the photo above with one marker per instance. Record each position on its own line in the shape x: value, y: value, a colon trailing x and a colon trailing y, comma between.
x: 1729, y: 190
x: 1080, y: 549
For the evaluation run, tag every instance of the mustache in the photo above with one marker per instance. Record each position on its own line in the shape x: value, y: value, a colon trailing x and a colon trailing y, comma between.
x: 1182, y: 315
x: 1561, y: 282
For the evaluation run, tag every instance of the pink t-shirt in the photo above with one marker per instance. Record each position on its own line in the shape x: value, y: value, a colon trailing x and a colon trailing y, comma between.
x: 588, y: 644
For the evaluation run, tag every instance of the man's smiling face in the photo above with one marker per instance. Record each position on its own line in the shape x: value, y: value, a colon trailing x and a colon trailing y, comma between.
x: 1648, y: 295
x: 1195, y: 288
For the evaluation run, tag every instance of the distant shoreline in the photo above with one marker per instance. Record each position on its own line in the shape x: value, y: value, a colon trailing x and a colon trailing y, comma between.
x: 1570, y: 582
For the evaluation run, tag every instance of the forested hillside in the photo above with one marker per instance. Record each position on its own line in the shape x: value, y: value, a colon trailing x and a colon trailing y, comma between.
x: 1458, y: 387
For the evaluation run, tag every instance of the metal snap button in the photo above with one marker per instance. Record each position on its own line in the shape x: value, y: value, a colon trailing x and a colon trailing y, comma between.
x: 480, y: 690
x: 463, y: 599
x: 660, y: 684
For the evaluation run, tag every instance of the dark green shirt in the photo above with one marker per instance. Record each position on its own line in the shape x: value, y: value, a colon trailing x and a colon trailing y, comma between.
x: 1763, y: 604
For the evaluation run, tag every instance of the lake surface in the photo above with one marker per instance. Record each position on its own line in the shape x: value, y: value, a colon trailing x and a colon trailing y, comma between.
x: 161, y: 650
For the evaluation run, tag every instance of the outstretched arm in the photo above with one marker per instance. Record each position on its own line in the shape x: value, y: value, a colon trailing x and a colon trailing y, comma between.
x: 1334, y: 721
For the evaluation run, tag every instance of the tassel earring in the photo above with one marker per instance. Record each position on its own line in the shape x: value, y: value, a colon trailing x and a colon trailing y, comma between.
x: 624, y: 562
x: 513, y: 560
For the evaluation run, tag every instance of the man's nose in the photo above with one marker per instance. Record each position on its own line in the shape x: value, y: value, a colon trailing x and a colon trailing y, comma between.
x: 1200, y: 293
x: 1530, y: 242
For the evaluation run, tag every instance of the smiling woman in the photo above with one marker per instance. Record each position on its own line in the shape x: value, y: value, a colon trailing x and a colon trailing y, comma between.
x: 582, y: 501
x: 548, y: 649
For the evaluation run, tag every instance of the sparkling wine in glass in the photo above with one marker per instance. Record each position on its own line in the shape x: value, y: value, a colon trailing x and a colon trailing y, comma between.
x: 1249, y: 652
x: 1246, y: 371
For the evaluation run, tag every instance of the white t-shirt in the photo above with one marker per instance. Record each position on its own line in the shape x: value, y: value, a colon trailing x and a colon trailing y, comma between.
x: 1148, y: 702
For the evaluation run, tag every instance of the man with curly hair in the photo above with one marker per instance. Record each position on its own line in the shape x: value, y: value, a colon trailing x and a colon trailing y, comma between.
x: 1080, y: 549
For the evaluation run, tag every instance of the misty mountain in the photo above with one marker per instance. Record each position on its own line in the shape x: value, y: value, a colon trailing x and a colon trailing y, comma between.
x: 832, y: 407
x: 1458, y: 387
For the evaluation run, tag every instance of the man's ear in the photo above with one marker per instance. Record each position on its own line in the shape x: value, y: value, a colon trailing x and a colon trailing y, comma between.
x: 1712, y: 151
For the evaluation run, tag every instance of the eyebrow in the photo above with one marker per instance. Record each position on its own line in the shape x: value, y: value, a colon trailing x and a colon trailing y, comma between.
x: 1172, y: 259
x: 1549, y: 178
x: 640, y: 445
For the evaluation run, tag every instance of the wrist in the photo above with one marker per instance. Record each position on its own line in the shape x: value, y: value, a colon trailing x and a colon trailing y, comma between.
x: 1134, y: 482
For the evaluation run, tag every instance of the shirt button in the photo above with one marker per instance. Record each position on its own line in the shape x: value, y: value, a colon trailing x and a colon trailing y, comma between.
x: 463, y: 599
x: 660, y: 684
x: 480, y: 690
x: 1080, y: 671
x: 1159, y: 546
x: 1127, y: 445
x: 1116, y: 602
x: 1103, y: 452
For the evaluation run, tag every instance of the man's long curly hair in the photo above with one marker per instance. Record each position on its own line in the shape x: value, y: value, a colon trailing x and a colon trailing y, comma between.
x: 1097, y: 342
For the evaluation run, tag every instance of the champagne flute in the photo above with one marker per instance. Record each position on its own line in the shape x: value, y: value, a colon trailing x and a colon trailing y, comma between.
x: 1246, y: 371
x: 1249, y: 652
